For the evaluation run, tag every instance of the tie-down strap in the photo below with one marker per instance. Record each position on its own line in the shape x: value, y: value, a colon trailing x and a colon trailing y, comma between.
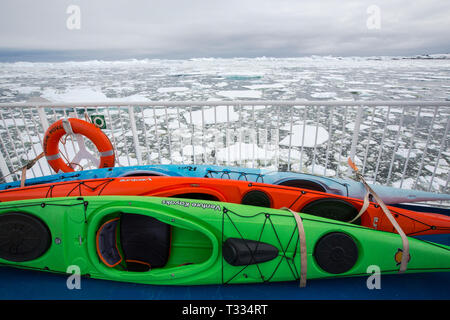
x: 67, y: 126
x: 405, y: 242
x: 302, y: 240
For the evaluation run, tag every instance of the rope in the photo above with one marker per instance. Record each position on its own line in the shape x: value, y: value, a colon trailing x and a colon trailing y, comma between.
x: 405, y: 242
x: 11, y: 173
x: 28, y: 166
x: 67, y: 127
x: 25, y: 168
x: 86, y: 117
x: 303, y: 255
x: 69, y: 132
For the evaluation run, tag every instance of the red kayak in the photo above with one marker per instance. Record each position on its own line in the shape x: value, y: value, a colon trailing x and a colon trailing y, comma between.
x: 250, y: 193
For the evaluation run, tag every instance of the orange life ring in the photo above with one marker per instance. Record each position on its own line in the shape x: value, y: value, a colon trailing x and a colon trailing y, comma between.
x: 89, y: 130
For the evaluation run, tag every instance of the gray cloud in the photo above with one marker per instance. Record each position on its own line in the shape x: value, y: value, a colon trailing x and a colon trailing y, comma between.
x: 194, y: 28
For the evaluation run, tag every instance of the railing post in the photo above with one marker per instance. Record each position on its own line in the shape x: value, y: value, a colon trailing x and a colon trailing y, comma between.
x: 43, y: 118
x: 135, y: 136
x: 355, y: 136
x: 4, y: 169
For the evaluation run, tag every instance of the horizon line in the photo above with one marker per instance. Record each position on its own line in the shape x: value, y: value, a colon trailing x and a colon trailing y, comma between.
x: 46, y: 56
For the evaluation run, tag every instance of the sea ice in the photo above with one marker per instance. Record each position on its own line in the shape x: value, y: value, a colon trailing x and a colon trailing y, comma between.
x: 320, y: 170
x: 431, y: 168
x: 265, y: 86
x: 310, y: 136
x: 74, y: 95
x: 407, y: 183
x: 404, y: 153
x: 172, y: 89
x: 233, y: 94
x: 212, y: 79
x: 324, y: 95
x: 351, y: 126
x: 243, y: 151
x: 293, y: 156
x: 221, y: 84
x: 219, y: 114
x: 189, y: 150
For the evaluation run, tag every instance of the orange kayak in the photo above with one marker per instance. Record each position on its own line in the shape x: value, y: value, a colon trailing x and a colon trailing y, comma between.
x: 250, y: 193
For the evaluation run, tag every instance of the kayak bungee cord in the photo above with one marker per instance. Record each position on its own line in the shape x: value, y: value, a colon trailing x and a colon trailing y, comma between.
x: 254, y: 261
x: 429, y: 227
x: 102, y: 185
x: 241, y: 174
x: 405, y: 242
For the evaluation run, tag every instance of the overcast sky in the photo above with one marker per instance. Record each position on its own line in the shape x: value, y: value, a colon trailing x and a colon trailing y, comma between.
x: 37, y: 30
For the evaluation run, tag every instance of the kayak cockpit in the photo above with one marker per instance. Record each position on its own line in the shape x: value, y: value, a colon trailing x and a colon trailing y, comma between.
x: 140, y: 243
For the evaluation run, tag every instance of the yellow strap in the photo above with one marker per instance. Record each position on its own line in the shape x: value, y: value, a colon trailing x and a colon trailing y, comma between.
x: 302, y: 239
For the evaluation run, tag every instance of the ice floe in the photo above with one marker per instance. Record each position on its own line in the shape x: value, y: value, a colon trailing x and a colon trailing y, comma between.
x: 233, y: 94
x: 265, y: 86
x: 324, y: 95
x: 320, y: 170
x: 172, y: 89
x: 219, y: 114
x: 313, y: 136
x: 74, y: 95
x: 243, y: 151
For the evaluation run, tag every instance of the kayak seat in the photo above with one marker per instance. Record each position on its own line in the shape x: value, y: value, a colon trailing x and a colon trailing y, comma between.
x: 145, y: 242
x: 302, y: 184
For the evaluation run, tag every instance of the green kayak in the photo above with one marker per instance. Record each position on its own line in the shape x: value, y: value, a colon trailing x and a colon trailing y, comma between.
x: 168, y: 241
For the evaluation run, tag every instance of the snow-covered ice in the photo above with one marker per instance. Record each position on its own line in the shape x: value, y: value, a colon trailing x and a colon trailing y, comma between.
x: 169, y: 132
x: 234, y: 94
x: 309, y: 139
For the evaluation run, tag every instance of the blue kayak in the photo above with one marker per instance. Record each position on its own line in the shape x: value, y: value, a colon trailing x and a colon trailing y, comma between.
x: 348, y: 188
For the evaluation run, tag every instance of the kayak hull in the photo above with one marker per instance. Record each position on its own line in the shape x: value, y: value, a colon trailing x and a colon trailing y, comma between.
x: 335, y: 186
x: 200, y: 227
x: 258, y: 194
x: 251, y: 193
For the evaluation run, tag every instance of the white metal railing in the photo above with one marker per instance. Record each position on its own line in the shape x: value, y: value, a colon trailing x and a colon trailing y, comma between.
x: 400, y: 143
